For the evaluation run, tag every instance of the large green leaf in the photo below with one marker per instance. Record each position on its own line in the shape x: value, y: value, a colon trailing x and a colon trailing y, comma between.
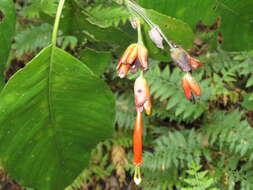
x: 7, y: 28
x: 53, y: 112
x: 236, y: 16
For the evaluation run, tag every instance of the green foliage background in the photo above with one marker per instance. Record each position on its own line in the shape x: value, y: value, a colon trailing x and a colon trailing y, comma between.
x: 207, y: 145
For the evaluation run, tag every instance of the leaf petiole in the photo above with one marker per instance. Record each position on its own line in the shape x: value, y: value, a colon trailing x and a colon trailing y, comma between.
x: 57, y: 21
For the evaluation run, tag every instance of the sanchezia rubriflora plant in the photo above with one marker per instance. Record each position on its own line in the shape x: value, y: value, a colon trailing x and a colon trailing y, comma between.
x: 136, y: 57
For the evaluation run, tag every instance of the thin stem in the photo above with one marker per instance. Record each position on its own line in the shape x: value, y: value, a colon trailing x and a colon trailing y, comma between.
x: 140, y: 40
x: 57, y: 21
x: 141, y: 12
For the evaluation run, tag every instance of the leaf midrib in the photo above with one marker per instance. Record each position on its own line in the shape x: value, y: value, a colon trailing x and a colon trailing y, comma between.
x: 52, y: 120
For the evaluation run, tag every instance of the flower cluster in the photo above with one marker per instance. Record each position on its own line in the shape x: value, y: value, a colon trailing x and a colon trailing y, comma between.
x: 136, y: 57
x: 187, y: 63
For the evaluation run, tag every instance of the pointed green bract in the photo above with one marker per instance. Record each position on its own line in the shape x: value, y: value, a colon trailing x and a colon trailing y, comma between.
x: 53, y: 112
x: 7, y: 28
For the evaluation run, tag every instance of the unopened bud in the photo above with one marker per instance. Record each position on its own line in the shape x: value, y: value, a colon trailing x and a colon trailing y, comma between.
x: 156, y: 37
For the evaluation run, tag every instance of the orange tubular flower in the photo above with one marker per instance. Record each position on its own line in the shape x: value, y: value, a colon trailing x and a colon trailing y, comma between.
x: 142, y: 95
x: 184, y: 60
x: 137, y: 148
x: 190, y: 86
x: 136, y: 55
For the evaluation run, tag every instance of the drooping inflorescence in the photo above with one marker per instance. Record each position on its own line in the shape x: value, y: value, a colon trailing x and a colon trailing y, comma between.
x: 134, y: 58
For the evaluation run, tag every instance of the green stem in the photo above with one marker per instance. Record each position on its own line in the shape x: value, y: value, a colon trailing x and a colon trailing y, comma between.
x: 57, y: 21
x: 140, y: 40
x: 141, y: 12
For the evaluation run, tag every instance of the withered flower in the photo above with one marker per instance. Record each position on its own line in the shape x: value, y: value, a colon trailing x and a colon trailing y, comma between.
x: 190, y: 86
x: 135, y: 56
x: 184, y: 60
x: 142, y: 95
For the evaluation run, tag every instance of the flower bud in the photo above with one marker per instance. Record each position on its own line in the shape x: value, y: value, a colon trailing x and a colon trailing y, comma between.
x: 133, y: 55
x: 143, y: 56
x: 127, y: 53
x: 142, y: 95
x: 186, y: 88
x: 155, y: 36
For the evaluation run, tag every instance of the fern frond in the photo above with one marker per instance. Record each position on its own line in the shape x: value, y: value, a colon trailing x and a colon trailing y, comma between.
x: 232, y: 132
x: 198, y: 180
x: 107, y: 16
x: 174, y: 150
x: 33, y: 8
x: 125, y: 110
x: 32, y: 39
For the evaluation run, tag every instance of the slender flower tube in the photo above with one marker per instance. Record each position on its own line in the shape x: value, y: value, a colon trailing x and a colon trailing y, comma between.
x: 190, y: 86
x: 142, y: 95
x: 137, y: 147
x: 184, y: 61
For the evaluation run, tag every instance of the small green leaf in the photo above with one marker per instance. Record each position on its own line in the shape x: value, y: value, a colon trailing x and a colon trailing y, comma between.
x: 53, y: 112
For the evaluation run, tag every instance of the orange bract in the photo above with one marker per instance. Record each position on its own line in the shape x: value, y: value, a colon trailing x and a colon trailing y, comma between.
x: 143, y: 56
x: 135, y: 56
x: 186, y: 88
x: 142, y: 95
x: 190, y: 85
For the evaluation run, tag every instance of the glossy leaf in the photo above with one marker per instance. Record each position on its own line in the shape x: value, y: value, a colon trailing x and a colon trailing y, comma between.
x: 53, y: 112
x: 7, y: 28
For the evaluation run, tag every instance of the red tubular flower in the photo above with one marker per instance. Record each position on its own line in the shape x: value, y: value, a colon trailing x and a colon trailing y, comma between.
x: 142, y: 95
x: 135, y: 56
x: 184, y: 60
x: 190, y: 86
x: 138, y: 139
x: 137, y: 147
